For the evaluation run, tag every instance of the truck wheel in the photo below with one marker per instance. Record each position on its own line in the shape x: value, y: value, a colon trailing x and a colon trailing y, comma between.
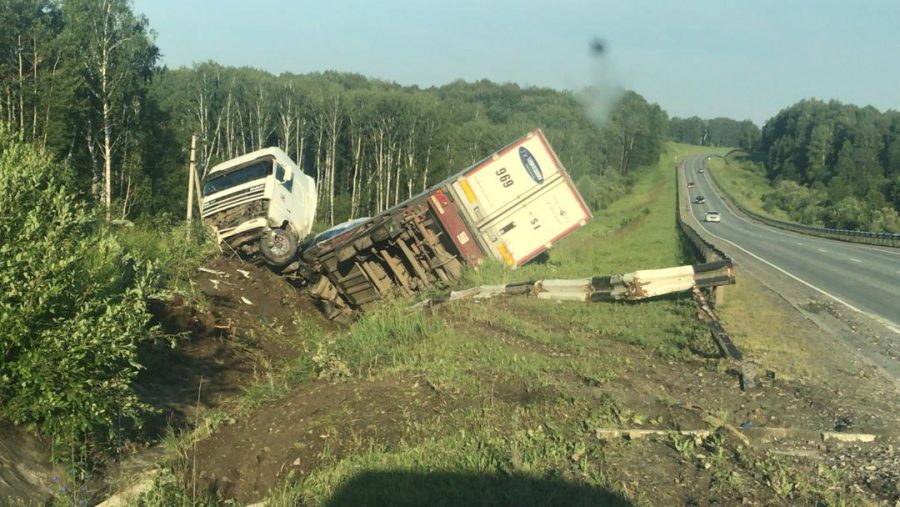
x: 278, y: 247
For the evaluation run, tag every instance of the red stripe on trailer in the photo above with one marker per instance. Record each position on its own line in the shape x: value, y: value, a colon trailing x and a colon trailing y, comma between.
x: 457, y: 230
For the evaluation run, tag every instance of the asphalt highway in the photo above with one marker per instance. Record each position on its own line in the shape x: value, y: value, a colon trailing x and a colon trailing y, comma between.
x: 862, y: 277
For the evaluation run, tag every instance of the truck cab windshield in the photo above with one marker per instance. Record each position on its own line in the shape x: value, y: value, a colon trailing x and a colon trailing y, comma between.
x: 237, y: 177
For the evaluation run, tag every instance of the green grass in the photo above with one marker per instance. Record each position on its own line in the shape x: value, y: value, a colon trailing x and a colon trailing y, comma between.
x: 479, y: 349
x: 746, y: 183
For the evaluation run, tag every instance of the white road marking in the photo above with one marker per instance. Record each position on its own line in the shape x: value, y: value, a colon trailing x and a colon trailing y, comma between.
x: 799, y: 243
x: 893, y: 252
x: 822, y: 250
x: 855, y: 260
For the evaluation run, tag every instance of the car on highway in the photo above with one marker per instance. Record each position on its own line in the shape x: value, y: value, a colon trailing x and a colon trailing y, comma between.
x: 691, y: 184
x: 712, y: 216
x: 700, y: 171
x: 699, y: 199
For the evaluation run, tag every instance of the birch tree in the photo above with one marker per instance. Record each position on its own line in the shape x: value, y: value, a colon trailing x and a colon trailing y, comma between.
x: 334, y: 123
x: 29, y: 58
x: 114, y: 55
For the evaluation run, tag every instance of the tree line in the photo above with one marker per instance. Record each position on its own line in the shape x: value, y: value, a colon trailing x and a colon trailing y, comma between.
x: 715, y: 132
x: 371, y: 144
x: 832, y: 164
x: 74, y: 77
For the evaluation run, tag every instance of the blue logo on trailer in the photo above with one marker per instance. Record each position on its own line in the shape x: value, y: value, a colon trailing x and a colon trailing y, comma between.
x: 531, y: 165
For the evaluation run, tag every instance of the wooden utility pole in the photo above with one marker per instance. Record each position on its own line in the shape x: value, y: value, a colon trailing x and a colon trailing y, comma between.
x: 191, y: 172
x: 197, y: 187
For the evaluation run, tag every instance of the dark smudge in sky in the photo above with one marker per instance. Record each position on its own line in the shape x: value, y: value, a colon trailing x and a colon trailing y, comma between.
x: 604, y: 90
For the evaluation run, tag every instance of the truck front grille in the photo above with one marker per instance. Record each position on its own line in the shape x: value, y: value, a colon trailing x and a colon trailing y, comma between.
x: 232, y: 217
x: 213, y: 206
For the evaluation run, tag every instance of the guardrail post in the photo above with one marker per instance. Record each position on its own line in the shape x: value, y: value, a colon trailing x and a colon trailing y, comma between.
x: 718, y: 295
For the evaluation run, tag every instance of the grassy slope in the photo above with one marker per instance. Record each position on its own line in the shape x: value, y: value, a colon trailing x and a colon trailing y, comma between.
x: 745, y: 185
x: 766, y: 329
x: 478, y: 350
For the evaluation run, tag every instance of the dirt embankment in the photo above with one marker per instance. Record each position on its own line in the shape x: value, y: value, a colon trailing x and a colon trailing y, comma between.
x: 322, y: 422
x: 229, y: 330
x: 228, y: 343
x: 315, y: 423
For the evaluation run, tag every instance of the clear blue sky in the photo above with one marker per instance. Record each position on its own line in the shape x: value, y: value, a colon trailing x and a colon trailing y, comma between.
x: 743, y: 59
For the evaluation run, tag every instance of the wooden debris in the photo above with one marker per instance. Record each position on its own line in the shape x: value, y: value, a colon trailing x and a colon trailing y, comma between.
x: 737, y: 433
x: 847, y: 437
x: 635, y: 434
x: 741, y: 434
x: 128, y: 496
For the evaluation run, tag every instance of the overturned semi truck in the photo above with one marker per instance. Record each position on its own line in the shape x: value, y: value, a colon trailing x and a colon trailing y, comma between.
x: 511, y: 206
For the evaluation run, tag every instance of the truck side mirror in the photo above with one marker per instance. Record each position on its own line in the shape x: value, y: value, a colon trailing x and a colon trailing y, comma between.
x: 283, y: 174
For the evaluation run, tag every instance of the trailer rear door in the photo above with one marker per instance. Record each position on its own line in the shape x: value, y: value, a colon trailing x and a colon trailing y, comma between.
x: 520, y: 200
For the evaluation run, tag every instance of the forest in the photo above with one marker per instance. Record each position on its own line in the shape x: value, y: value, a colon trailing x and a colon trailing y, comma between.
x: 715, y: 132
x: 834, y: 164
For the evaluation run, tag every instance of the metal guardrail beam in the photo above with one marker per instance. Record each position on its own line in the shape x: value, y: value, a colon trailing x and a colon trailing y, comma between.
x: 715, y: 261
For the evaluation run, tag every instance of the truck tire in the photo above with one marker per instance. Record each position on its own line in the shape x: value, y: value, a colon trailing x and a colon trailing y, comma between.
x: 278, y: 247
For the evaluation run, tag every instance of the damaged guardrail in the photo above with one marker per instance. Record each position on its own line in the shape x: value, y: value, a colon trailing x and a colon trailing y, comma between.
x: 702, y: 248
x: 639, y: 285
x: 711, y: 254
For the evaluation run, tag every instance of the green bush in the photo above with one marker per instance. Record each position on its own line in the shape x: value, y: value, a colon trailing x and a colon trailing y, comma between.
x: 72, y: 307
x: 812, y: 206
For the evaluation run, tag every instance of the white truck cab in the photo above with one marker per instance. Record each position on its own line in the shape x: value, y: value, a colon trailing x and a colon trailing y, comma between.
x: 260, y: 201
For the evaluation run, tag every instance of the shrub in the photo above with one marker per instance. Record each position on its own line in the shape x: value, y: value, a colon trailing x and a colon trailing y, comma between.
x: 72, y: 307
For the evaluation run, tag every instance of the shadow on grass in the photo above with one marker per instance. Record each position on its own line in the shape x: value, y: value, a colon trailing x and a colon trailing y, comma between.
x: 403, y: 488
